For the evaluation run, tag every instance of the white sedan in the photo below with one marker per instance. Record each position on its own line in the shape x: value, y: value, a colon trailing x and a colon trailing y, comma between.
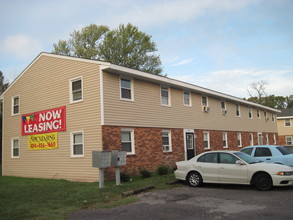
x: 233, y: 167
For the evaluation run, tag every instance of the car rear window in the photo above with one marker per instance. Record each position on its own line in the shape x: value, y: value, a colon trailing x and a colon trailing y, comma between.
x: 247, y: 150
x: 283, y: 150
x: 262, y: 152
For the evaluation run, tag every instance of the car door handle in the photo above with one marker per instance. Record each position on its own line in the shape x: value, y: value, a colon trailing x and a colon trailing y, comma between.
x: 268, y: 159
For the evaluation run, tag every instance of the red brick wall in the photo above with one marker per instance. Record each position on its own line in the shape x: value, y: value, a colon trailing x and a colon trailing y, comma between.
x: 149, y: 152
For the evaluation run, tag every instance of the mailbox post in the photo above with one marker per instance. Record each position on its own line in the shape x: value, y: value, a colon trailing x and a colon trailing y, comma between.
x: 101, y: 160
x: 118, y: 159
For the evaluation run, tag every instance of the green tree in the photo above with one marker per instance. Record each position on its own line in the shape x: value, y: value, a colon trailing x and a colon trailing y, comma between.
x: 3, y: 86
x: 125, y: 46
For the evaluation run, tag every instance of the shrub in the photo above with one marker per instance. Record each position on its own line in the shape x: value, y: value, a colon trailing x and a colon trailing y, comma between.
x: 162, y: 170
x: 124, y: 177
x: 145, y: 173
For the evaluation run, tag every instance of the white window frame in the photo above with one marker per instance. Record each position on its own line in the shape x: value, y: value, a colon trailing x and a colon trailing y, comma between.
x: 189, y: 98
x: 266, y: 116
x: 237, y: 108
x: 285, y: 124
x: 290, y: 142
x: 250, y: 114
x: 207, y: 101
x: 131, y: 88
x: 273, y: 117
x: 13, y: 147
x: 239, y: 139
x: 165, y: 88
x: 71, y: 92
x: 131, y: 131
x: 258, y: 113
x: 72, y: 143
x: 225, y: 138
x: 275, y: 139
x: 267, y: 139
x: 206, y: 137
x: 223, y: 110
x: 251, y: 141
x: 169, y: 133
x: 12, y: 105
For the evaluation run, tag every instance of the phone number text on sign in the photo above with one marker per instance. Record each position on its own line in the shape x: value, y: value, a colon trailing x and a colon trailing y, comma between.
x: 43, y: 141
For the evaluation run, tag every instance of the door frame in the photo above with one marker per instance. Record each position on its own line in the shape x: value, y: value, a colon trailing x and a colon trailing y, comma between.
x: 184, y: 138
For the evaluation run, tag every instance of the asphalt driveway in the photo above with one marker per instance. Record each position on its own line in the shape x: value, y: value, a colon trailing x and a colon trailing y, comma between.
x: 213, y: 202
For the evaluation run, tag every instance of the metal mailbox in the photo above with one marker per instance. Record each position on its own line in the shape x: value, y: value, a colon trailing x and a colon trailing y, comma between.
x: 118, y: 158
x: 101, y: 159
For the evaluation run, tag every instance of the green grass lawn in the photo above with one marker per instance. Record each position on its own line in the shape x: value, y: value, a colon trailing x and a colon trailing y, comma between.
x: 29, y: 198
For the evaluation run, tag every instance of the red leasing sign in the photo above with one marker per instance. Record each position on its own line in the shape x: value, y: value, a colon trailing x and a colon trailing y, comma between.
x: 47, y: 121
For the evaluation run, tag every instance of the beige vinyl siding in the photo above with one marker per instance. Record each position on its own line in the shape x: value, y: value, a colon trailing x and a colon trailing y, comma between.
x: 45, y: 85
x: 282, y: 130
x: 147, y: 111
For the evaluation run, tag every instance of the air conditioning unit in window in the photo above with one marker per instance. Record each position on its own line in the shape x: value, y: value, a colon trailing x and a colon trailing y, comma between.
x: 206, y: 108
x: 166, y: 148
x: 224, y: 112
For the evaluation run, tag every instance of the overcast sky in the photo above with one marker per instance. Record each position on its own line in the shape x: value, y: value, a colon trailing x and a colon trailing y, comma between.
x: 224, y: 45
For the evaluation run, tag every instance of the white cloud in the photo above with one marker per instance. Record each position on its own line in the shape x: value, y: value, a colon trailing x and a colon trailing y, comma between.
x: 236, y: 82
x: 21, y: 46
x: 182, y: 62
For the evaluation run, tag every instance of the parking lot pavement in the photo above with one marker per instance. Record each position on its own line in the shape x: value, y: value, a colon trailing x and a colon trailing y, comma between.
x: 213, y: 202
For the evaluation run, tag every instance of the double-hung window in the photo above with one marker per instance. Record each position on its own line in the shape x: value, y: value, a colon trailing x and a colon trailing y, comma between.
x: 258, y: 113
x: 15, y: 105
x: 126, y: 89
x: 77, y: 144
x: 76, y: 90
x: 250, y: 113
x: 225, y: 140
x: 127, y: 140
x: 187, y: 98
x: 206, y: 140
x: 251, y: 139
x: 237, y: 109
x: 166, y: 141
x: 165, y: 96
x: 289, y: 140
x: 239, y: 139
x: 287, y: 123
x: 15, y: 148
x: 223, y: 108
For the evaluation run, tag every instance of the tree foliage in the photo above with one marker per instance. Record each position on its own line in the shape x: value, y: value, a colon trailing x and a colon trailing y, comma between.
x: 125, y: 46
x: 261, y: 97
x: 3, y: 86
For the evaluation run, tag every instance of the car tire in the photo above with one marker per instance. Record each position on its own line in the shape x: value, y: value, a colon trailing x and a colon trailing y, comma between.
x: 194, y: 179
x: 263, y: 182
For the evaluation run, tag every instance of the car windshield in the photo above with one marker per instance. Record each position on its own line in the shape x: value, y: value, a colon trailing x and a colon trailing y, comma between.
x: 247, y: 158
x: 283, y: 150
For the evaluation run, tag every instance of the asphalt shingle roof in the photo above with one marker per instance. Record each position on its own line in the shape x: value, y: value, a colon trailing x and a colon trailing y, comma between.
x: 285, y: 112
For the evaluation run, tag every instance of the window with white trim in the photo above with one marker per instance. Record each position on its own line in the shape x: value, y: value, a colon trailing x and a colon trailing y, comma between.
x: 127, y: 141
x: 239, y: 139
x: 166, y: 141
x: 204, y: 101
x: 275, y: 139
x: 206, y: 140
x: 77, y: 144
x: 126, y: 89
x: 237, y: 109
x: 266, y: 116
x: 289, y: 140
x: 250, y: 113
x: 287, y: 122
x: 165, y: 96
x: 258, y: 113
x: 15, y: 105
x: 273, y: 117
x: 267, y: 139
x: 225, y: 140
x: 76, y: 90
x: 187, y: 98
x: 15, y: 148
x: 251, y: 139
x: 223, y: 108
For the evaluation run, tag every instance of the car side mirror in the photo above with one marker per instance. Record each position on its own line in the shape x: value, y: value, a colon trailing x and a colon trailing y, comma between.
x: 240, y: 162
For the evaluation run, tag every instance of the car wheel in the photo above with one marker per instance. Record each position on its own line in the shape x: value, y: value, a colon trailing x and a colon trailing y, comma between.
x: 263, y: 182
x: 194, y: 179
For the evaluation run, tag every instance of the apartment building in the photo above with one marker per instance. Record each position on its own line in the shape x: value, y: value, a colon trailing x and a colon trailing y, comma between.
x: 62, y: 108
x: 285, y: 127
